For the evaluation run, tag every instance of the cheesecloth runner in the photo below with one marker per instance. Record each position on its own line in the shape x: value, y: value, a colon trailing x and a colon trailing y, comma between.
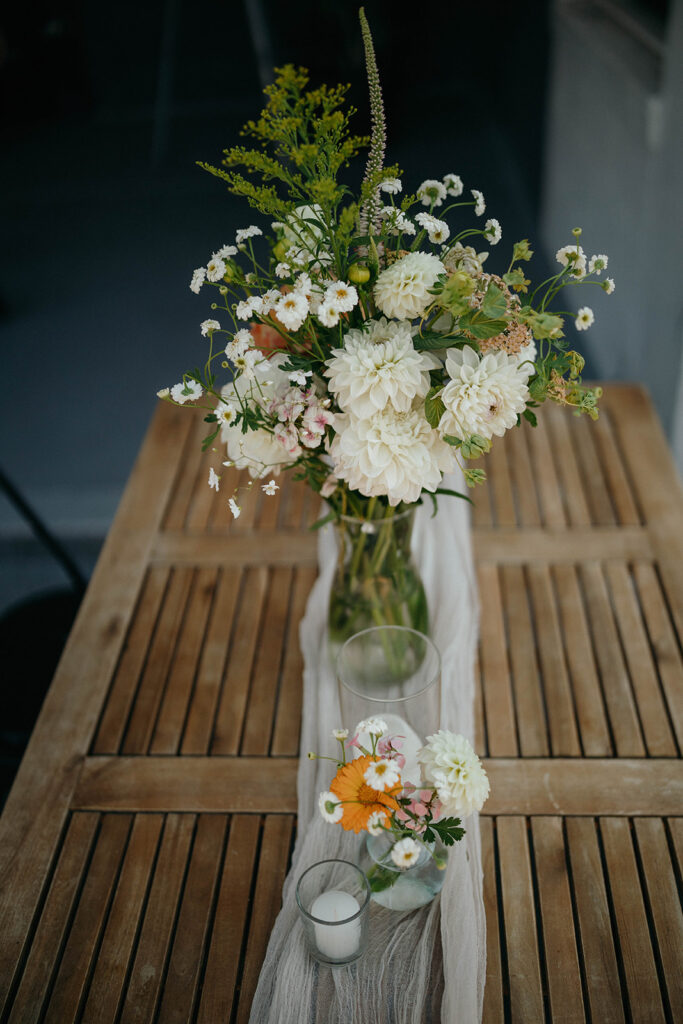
x: 423, y: 965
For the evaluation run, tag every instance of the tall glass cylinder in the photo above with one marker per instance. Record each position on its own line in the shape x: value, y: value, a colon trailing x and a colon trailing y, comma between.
x: 393, y: 673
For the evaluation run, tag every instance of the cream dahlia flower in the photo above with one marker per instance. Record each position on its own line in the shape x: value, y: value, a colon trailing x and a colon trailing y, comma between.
x: 256, y: 450
x: 450, y: 765
x: 484, y: 395
x: 402, y: 290
x: 396, y: 454
x: 379, y: 366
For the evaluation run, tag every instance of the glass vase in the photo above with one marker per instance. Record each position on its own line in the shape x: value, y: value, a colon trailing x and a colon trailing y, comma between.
x: 376, y: 580
x: 392, y: 673
x: 403, y: 888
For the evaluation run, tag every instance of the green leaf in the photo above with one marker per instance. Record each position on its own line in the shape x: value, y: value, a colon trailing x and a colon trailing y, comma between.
x: 431, y: 340
x: 494, y: 305
x: 455, y: 442
x: 521, y: 251
x: 207, y: 440
x: 324, y: 521
x: 453, y: 494
x: 481, y: 329
x: 530, y: 416
x: 381, y: 878
x: 211, y: 418
x: 516, y: 279
x: 434, y: 407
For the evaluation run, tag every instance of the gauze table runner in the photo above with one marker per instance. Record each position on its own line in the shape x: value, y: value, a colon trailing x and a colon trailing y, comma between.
x: 427, y: 964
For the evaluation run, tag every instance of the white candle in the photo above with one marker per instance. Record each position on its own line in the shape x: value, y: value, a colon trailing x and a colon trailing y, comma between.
x: 336, y: 941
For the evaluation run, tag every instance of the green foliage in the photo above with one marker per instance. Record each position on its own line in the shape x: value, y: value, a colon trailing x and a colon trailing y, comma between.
x: 542, y: 325
x: 434, y: 407
x: 522, y: 251
x: 516, y: 280
x: 304, y: 140
x: 474, y: 476
x: 494, y: 305
x: 381, y: 878
x: 448, y: 830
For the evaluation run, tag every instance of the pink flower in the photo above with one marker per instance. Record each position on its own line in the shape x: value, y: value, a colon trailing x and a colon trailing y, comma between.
x: 400, y: 760
x: 418, y: 808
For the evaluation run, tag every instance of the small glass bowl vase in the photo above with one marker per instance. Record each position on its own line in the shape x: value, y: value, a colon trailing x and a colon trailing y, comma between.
x: 392, y: 673
x: 376, y: 581
x: 403, y: 888
x: 333, y: 897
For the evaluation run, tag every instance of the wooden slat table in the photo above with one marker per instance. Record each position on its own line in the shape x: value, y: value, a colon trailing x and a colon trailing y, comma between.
x: 144, y: 845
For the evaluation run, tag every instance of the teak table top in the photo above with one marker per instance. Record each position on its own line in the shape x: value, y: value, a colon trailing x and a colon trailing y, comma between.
x: 145, y: 841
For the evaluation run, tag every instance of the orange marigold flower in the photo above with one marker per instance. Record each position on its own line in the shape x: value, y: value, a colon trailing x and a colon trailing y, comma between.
x: 358, y: 799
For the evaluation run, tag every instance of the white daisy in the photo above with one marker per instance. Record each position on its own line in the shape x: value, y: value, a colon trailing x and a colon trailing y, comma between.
x: 453, y: 184
x: 341, y: 295
x: 188, y: 391
x: 215, y: 269
x: 209, y: 325
x: 597, y: 264
x: 574, y: 257
x: 374, y: 726
x: 225, y: 252
x: 291, y: 310
x: 246, y: 364
x: 493, y: 232
x: 270, y: 488
x: 198, y: 278
x: 330, y: 807
x: 283, y: 270
x: 225, y: 413
x: 244, y: 233
x: 391, y: 185
x: 405, y: 852
x: 340, y: 734
x: 246, y: 309
x: 402, y: 290
x: 584, y: 318
x: 382, y: 774
x: 437, y: 230
x: 431, y: 192
x: 484, y: 395
x: 214, y: 479
x: 479, y: 202
x: 377, y: 823
x: 609, y: 285
x: 328, y: 314
x: 242, y: 341
x: 164, y: 393
x: 379, y: 366
x: 234, y: 508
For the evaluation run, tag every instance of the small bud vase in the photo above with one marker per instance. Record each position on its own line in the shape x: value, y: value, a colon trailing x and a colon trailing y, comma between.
x: 403, y: 888
x: 376, y: 581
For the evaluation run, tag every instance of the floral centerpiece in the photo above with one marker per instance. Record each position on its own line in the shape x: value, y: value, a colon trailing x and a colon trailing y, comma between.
x: 409, y: 824
x: 363, y: 340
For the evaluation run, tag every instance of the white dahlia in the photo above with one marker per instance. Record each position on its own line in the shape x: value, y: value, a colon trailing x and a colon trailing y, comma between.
x: 379, y: 366
x: 259, y: 451
x: 391, y: 453
x: 450, y: 765
x: 484, y: 395
x: 405, y: 853
x: 402, y: 290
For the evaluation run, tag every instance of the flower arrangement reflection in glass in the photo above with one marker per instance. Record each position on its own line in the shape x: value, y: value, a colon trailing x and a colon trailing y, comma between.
x: 417, y: 819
